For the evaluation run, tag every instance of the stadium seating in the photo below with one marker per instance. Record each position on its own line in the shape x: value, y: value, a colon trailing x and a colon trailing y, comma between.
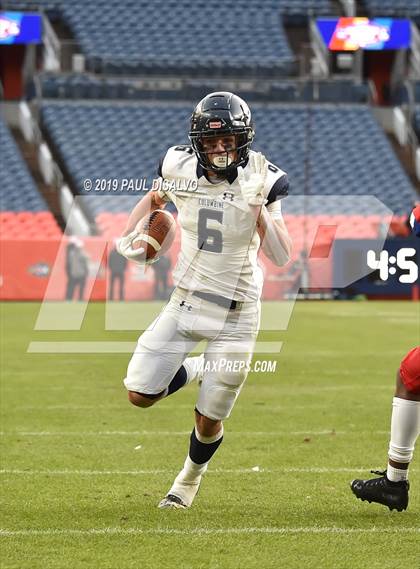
x: 28, y: 225
x: 408, y: 93
x: 394, y: 8
x: 405, y: 92
x: 246, y: 38
x: 329, y: 150
x: 23, y: 212
x: 87, y: 86
x: 18, y: 190
x: 416, y: 121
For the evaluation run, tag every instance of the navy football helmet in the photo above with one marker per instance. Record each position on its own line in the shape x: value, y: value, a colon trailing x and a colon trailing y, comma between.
x: 222, y: 113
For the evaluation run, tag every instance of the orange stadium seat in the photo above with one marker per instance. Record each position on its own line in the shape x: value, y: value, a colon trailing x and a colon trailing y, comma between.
x: 29, y: 225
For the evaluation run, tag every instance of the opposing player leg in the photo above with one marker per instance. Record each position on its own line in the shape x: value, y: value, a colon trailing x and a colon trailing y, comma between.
x: 392, y: 486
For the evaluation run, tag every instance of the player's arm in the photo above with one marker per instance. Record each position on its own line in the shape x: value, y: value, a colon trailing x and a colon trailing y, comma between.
x: 152, y: 201
x: 275, y: 239
x: 148, y: 204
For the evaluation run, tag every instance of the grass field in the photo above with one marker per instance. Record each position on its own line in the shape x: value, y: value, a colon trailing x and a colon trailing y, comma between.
x: 78, y: 492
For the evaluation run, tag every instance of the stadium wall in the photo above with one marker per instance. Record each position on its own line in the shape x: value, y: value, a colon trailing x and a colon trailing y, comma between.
x: 35, y: 270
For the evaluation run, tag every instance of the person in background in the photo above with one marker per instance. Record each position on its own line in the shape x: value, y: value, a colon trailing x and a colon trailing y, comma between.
x: 77, y: 268
x: 117, y: 265
x: 161, y: 268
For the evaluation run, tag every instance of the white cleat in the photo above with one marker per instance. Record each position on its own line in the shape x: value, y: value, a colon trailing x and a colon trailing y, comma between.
x: 195, y: 369
x: 181, y: 495
x: 172, y: 502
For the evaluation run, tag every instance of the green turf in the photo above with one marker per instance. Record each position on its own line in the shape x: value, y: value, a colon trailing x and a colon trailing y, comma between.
x: 77, y: 493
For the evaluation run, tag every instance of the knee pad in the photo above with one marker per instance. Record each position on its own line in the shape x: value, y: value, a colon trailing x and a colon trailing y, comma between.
x: 218, y: 402
x: 217, y: 397
x: 221, y: 387
x: 232, y: 371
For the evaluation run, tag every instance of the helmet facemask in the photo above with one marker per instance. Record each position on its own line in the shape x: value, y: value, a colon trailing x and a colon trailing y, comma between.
x: 221, y: 115
x: 224, y: 160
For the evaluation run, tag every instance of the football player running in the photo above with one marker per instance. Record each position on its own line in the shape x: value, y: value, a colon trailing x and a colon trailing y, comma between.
x: 234, y: 210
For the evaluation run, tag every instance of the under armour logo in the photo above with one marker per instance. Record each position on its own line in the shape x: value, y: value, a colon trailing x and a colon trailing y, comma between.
x: 187, y: 306
x: 228, y: 196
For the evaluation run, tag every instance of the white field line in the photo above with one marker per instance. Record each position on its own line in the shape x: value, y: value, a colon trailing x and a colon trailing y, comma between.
x: 326, y: 432
x: 253, y: 470
x: 245, y: 407
x: 298, y: 390
x: 61, y: 407
x: 167, y: 407
x: 205, y: 531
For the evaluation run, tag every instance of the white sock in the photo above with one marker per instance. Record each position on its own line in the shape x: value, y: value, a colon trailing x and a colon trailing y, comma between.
x: 396, y: 474
x: 194, y: 367
x: 193, y: 471
x: 405, y: 428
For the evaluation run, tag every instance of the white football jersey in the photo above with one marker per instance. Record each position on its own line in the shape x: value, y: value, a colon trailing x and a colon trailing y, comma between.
x: 219, y: 241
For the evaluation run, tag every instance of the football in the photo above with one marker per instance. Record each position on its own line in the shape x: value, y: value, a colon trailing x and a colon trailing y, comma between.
x: 155, y: 234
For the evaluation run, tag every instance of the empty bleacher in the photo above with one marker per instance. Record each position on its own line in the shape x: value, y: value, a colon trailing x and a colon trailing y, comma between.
x: 28, y: 225
x: 343, y: 147
x: 407, y: 94
x: 24, y: 213
x: 415, y: 96
x: 416, y: 121
x: 89, y: 86
x: 393, y: 8
x: 184, y: 38
x: 18, y: 192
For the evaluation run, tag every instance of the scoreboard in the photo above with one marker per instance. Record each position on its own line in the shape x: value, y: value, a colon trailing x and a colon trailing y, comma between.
x: 389, y: 269
x: 20, y: 28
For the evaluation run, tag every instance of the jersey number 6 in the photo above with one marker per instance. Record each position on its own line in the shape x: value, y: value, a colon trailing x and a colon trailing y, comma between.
x: 209, y: 239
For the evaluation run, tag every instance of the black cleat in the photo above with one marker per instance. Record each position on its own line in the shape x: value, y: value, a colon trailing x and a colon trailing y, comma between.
x: 383, y: 491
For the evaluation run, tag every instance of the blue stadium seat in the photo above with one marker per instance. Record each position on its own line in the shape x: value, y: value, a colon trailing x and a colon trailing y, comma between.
x: 394, y: 8
x: 416, y: 91
x: 348, y: 149
x: 416, y: 121
x: 138, y: 37
x: 18, y: 189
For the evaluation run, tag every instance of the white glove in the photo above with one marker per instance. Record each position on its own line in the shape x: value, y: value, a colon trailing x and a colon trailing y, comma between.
x: 124, y: 248
x: 252, y: 189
